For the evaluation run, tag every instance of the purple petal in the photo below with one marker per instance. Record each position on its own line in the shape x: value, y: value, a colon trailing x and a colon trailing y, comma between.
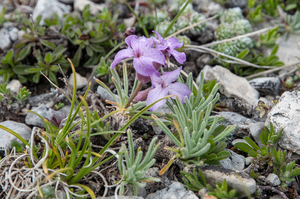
x: 141, y: 44
x: 143, y: 66
x: 179, y: 56
x: 122, y: 54
x: 142, y: 95
x: 174, y: 43
x: 156, y: 80
x: 129, y: 38
x: 142, y: 78
x: 179, y: 90
x: 155, y: 55
x: 160, y: 38
x: 154, y: 95
x: 169, y: 77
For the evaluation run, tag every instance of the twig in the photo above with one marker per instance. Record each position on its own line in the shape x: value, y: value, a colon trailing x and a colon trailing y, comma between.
x: 196, y: 48
x: 271, y: 70
x: 274, y: 190
x: 191, y: 26
x: 237, y: 37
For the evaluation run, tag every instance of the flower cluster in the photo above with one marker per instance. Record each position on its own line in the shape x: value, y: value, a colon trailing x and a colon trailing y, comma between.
x: 149, y: 54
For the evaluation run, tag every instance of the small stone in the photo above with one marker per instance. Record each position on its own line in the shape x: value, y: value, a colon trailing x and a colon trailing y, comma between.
x: 255, y: 131
x: 239, y: 180
x: 248, y: 160
x: 104, y: 94
x: 21, y: 33
x: 175, y: 190
x: 266, y: 85
x: 285, y: 115
x: 202, y: 193
x: 233, y: 86
x: 14, y: 85
x: 234, y: 162
x: 5, y: 42
x: 47, y: 9
x: 277, y: 197
x: 236, y: 3
x: 273, y: 180
x: 6, y: 138
x: 13, y: 33
x: 94, y: 8
x: 45, y: 112
x: 80, y: 81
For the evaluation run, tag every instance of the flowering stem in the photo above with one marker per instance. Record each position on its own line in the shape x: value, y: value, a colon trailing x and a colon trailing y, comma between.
x: 134, y: 94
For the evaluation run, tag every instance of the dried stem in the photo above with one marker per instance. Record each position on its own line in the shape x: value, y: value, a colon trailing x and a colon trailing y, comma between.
x: 134, y: 94
x: 201, y: 49
x: 237, y: 37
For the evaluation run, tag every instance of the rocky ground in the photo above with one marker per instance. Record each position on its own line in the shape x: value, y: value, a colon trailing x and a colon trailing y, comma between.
x: 240, y: 101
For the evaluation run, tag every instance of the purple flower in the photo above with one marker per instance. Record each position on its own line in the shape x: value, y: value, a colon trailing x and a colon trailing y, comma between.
x: 163, y: 86
x: 143, y: 53
x: 168, y: 47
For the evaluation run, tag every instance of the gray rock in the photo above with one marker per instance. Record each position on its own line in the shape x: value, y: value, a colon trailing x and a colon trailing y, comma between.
x: 45, y: 112
x: 255, y: 130
x: 14, y: 85
x: 21, y: 33
x: 5, y: 42
x: 104, y: 94
x: 285, y: 115
x: 94, y: 8
x: 141, y: 191
x: 231, y: 118
x: 48, y: 8
x: 239, y: 180
x: 203, y: 60
x: 248, y: 160
x: 80, y: 81
x: 273, y: 180
x: 6, y: 138
x: 266, y: 85
x: 66, y: 1
x: 286, y: 51
x: 13, y: 33
x: 175, y: 190
x: 233, y: 86
x: 121, y: 197
x: 234, y: 162
x: 204, y: 70
x: 236, y: 3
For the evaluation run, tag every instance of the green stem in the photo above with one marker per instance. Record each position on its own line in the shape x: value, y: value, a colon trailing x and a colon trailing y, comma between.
x: 134, y: 94
x: 176, y: 17
x: 139, y: 20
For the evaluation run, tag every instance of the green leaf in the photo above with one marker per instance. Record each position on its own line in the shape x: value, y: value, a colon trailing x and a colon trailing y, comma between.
x: 36, y: 78
x: 59, y: 50
x: 77, y: 56
x: 243, y: 54
x: 23, y: 53
x: 48, y: 44
x: 22, y: 70
x: 89, y: 51
x: 48, y: 58
x: 99, y: 39
x: 17, y: 145
x: 251, y: 143
x: 243, y: 147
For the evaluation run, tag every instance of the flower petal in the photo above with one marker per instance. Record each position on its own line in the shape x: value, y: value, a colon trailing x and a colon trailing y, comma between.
x: 160, y: 38
x: 154, y: 95
x: 143, y: 66
x: 122, y: 54
x: 179, y: 56
x: 142, y: 95
x: 141, y: 44
x: 174, y: 43
x: 141, y: 78
x: 129, y: 38
x: 179, y: 90
x: 155, y: 55
x: 169, y: 77
x: 156, y: 80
